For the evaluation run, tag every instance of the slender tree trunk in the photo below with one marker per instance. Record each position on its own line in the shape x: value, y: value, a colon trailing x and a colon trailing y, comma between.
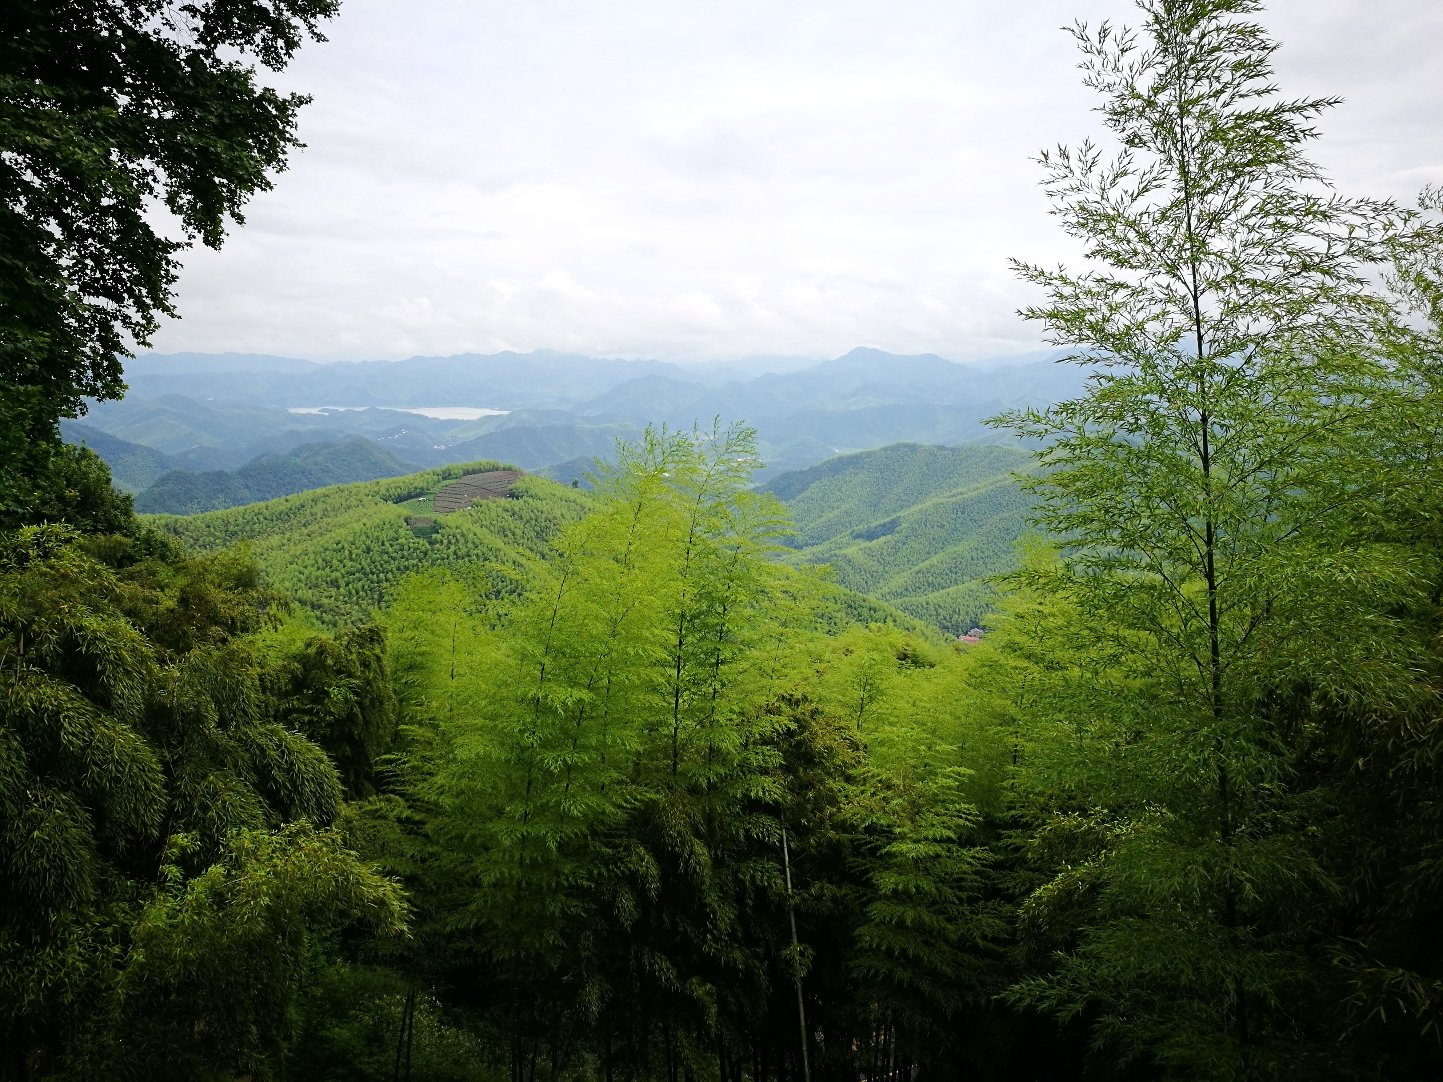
x: 796, y: 959
x: 410, y: 1028
x: 676, y: 696
x: 1225, y: 788
x: 534, y: 1056
x: 403, y: 1035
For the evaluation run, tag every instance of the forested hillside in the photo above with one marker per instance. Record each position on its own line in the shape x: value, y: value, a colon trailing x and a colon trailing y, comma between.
x: 605, y: 771
x: 341, y: 552
x: 133, y: 466
x: 923, y: 528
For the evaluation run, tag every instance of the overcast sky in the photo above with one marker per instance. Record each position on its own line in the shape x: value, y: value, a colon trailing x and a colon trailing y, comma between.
x: 691, y: 180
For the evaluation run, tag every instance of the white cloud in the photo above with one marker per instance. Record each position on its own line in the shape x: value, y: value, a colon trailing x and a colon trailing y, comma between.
x: 711, y: 180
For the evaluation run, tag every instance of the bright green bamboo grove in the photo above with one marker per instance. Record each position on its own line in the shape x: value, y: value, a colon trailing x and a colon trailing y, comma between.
x: 601, y: 770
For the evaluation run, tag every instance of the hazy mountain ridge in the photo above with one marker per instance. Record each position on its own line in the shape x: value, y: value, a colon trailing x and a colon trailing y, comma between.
x: 133, y: 466
x: 507, y: 380
x: 309, y: 466
x: 221, y: 412
x: 536, y: 447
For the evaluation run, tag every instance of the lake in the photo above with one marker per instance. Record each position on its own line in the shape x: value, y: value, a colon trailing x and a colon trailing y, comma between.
x: 441, y: 413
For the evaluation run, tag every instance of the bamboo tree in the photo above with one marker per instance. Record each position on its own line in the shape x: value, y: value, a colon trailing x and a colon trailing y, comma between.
x: 690, y: 839
x: 1199, y: 491
x: 589, y: 778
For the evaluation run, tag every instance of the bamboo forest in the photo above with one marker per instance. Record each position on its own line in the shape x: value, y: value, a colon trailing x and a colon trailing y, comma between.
x: 1107, y: 746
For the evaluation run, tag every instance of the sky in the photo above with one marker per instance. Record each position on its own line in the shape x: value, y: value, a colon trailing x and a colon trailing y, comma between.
x: 695, y: 179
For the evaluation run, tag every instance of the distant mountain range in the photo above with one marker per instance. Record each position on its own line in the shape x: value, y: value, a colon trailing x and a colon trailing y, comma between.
x: 210, y: 413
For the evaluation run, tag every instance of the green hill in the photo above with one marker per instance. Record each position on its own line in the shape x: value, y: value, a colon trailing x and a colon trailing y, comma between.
x: 134, y: 467
x: 312, y: 465
x: 341, y: 551
x: 920, y: 527
x: 534, y: 447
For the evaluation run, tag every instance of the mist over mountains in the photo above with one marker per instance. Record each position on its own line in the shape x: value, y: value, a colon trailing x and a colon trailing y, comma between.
x: 215, y: 414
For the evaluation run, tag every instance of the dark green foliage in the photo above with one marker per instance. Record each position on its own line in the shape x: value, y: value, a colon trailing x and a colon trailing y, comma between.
x: 161, y: 859
x: 1383, y: 850
x: 74, y: 486
x: 1383, y: 845
x: 359, y: 1022
x: 337, y: 691
x: 63, y: 483
x: 928, y: 947
x: 214, y: 958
